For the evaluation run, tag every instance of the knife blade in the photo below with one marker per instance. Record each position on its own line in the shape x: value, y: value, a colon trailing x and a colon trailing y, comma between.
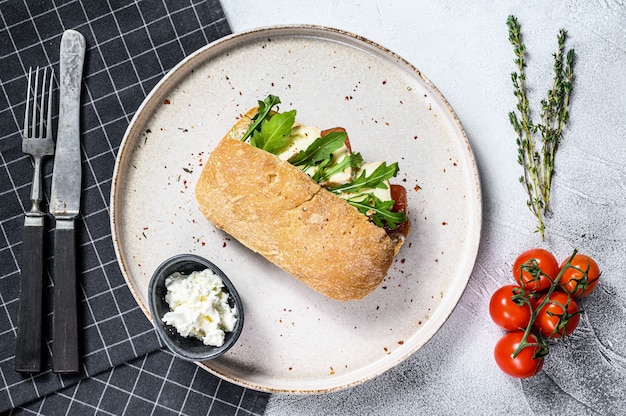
x: 65, y: 204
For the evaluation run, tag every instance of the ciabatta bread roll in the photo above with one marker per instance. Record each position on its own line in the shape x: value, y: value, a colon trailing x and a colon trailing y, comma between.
x: 278, y: 211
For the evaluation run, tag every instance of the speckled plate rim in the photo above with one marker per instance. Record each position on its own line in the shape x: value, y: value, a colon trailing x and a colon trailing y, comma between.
x: 439, y: 317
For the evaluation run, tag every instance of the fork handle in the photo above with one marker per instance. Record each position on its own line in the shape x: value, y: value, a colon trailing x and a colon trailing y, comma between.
x: 29, y: 317
x: 36, y: 191
x: 65, y: 318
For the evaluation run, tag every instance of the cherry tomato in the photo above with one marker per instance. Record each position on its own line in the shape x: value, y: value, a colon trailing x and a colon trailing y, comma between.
x: 525, y: 364
x: 398, y: 194
x: 535, y: 275
x: 581, y: 277
x: 558, y: 317
x: 505, y: 312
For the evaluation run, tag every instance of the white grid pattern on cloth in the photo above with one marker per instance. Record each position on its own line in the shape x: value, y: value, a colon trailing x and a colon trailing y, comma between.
x: 133, y: 401
x: 115, y: 329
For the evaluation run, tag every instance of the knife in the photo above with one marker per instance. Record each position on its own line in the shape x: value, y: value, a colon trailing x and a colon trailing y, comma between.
x: 65, y: 204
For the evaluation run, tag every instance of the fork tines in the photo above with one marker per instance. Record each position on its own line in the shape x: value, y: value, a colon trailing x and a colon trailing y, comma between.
x: 40, y: 100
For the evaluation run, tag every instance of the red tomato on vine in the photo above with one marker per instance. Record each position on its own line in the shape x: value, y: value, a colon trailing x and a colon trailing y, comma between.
x: 527, y: 362
x: 558, y: 317
x: 581, y: 277
x: 509, y: 309
x: 535, y: 269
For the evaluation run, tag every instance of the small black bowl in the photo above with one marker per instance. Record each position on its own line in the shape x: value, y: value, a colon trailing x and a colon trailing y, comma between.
x: 189, y: 348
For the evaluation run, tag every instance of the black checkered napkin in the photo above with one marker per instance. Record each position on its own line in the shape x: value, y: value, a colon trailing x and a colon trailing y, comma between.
x: 131, y: 45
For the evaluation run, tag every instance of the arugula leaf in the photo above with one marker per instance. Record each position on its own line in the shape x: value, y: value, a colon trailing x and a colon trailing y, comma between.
x: 375, y: 180
x: 320, y: 150
x: 265, y: 108
x: 380, y: 212
x: 274, y: 133
x: 325, y: 171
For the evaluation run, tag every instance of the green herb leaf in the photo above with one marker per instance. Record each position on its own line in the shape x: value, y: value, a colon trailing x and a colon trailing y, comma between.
x: 375, y: 180
x: 321, y: 149
x: 274, y: 133
x: 380, y: 212
x: 265, y: 108
x: 324, y: 172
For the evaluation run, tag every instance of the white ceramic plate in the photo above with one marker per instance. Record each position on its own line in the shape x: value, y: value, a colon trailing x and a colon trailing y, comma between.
x: 295, y: 340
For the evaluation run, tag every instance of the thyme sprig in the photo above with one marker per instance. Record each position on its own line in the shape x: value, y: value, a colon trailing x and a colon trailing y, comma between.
x: 537, y: 142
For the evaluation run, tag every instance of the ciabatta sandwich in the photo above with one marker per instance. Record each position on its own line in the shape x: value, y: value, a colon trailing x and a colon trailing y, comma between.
x: 303, y: 200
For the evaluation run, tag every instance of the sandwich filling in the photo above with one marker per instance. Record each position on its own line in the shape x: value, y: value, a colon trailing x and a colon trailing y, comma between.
x: 326, y: 156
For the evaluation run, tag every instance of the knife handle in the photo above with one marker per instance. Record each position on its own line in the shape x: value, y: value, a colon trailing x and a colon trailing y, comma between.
x: 65, y: 318
x: 29, y: 317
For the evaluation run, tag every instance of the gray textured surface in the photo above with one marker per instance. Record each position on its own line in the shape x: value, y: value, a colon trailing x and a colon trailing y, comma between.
x: 463, y: 48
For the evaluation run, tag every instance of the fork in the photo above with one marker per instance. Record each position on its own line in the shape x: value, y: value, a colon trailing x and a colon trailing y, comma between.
x: 38, y: 143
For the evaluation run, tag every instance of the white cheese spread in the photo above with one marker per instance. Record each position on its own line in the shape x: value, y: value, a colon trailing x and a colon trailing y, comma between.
x: 301, y: 138
x: 199, y: 307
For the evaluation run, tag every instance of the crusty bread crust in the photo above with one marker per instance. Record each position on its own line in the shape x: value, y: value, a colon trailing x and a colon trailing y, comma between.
x: 276, y: 210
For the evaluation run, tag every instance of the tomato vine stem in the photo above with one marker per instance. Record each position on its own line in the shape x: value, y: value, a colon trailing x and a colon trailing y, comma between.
x: 543, y: 347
